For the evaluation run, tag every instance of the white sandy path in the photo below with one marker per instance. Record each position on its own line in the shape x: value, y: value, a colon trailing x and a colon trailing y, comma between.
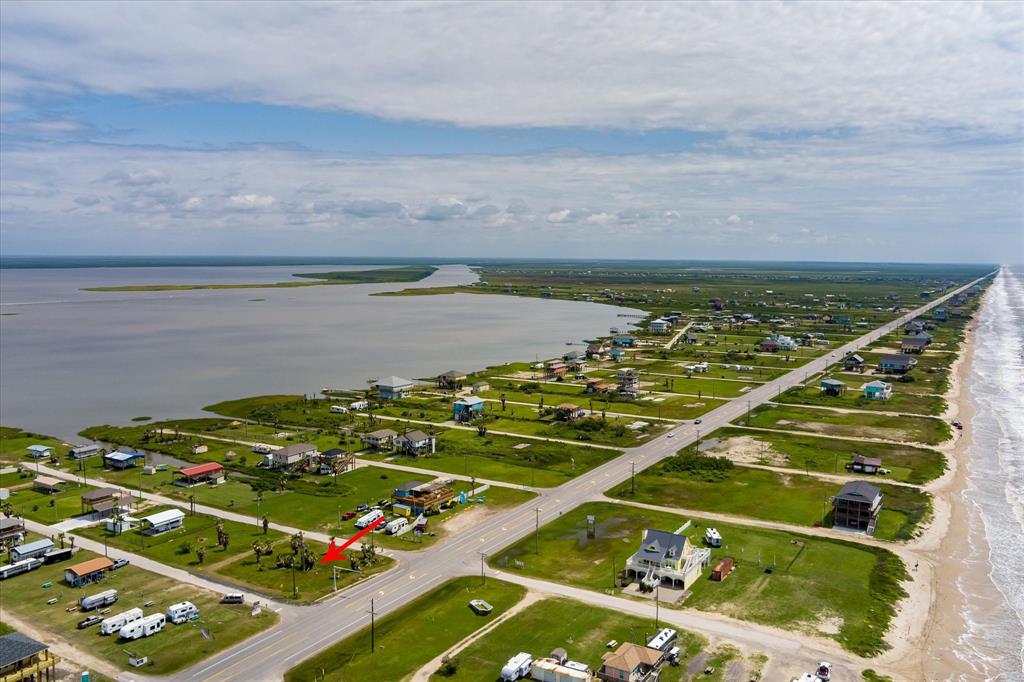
x: 424, y: 673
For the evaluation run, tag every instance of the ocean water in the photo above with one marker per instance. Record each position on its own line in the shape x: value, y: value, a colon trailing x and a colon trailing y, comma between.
x: 993, y: 641
x: 71, y: 359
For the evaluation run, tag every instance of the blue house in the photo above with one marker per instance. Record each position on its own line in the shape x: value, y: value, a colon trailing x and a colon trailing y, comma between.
x: 617, y: 354
x: 122, y: 459
x: 624, y: 340
x: 468, y: 409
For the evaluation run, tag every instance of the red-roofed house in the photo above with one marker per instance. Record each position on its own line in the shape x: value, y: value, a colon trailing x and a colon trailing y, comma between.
x: 209, y: 472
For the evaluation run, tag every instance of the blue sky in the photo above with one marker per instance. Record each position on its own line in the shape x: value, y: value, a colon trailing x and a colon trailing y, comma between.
x: 625, y: 130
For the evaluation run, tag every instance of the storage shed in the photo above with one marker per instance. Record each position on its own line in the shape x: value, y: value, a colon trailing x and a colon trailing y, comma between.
x: 722, y: 569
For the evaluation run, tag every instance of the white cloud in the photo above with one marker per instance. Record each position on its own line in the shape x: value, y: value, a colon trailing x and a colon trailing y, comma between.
x: 192, y: 204
x: 250, y: 202
x: 559, y: 216
x: 734, y: 219
x: 711, y: 66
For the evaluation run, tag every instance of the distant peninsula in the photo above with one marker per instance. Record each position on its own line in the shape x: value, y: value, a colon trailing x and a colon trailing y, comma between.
x: 409, y: 273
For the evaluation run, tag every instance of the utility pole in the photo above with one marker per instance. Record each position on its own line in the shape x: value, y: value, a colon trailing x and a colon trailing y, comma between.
x: 482, y: 557
x: 657, y: 604
x: 632, y: 485
x: 373, y: 643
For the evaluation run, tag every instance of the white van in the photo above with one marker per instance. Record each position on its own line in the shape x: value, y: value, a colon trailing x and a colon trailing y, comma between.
x: 368, y: 518
x: 181, y: 612
x: 144, y: 627
x: 339, y: 409
x: 394, y: 526
x: 109, y: 626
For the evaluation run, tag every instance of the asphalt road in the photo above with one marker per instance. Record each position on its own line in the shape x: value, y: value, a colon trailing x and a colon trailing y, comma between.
x: 305, y: 631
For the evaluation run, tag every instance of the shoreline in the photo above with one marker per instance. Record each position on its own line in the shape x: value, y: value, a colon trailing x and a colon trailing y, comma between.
x: 929, y: 624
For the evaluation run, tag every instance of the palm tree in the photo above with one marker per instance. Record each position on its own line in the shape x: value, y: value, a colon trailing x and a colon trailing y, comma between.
x: 201, y: 554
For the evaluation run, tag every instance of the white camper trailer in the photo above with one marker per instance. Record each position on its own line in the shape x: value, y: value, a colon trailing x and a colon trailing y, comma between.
x: 517, y: 667
x: 663, y: 640
x: 339, y: 409
x: 368, y: 518
x: 95, y: 601
x: 395, y: 526
x: 712, y: 537
x: 181, y: 612
x: 144, y: 627
x: 18, y: 567
x: 114, y: 624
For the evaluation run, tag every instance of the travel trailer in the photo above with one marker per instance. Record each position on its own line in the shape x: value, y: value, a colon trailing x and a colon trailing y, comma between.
x: 181, y: 612
x: 95, y: 601
x: 144, y: 627
x: 114, y: 624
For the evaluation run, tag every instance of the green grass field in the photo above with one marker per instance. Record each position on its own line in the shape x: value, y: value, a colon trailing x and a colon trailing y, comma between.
x: 901, y: 401
x: 410, y: 273
x: 172, y: 649
x: 14, y: 441
x: 826, y: 587
x: 924, y: 430
x: 769, y: 495
x: 405, y: 642
x: 45, y: 508
x: 582, y: 630
x: 807, y: 452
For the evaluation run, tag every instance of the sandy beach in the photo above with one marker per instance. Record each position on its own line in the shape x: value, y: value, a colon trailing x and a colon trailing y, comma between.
x: 925, y: 632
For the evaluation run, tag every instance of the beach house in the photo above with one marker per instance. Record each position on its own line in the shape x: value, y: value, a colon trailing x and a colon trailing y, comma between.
x: 381, y: 439
x: 415, y: 442
x: 568, y: 412
x: 450, y: 380
x: 467, y: 409
x: 162, y: 522
x: 87, y: 572
x: 832, y: 387
x: 853, y: 363
x: 629, y: 381
x: 392, y: 388
x: 122, y: 459
x: 668, y: 558
x: 877, y: 390
x: 856, y: 507
x: 659, y: 326
x: 24, y: 659
x: 896, y: 364
x: 290, y: 456
x: 84, y: 451
x: 913, y: 344
x: 39, y: 451
x: 208, y: 472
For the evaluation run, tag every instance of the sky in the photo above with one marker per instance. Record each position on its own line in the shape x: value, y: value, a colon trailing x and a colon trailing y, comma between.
x: 804, y: 131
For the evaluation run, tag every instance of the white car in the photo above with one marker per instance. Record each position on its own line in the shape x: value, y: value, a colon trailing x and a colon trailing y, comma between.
x: 824, y: 671
x: 671, y: 435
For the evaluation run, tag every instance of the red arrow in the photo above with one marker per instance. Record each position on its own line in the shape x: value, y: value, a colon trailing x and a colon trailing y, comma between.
x: 335, y: 553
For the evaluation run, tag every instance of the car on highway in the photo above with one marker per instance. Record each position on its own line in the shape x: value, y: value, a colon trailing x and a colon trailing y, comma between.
x: 697, y: 421
x: 89, y: 622
x: 671, y: 434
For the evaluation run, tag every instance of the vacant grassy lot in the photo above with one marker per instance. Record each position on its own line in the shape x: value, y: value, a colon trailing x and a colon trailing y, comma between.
x: 827, y: 587
x: 901, y: 400
x: 176, y: 647
x: 505, y: 458
x: 582, y: 630
x: 768, y: 495
x: 441, y: 618
x: 807, y: 452
x: 39, y: 506
x: 926, y: 430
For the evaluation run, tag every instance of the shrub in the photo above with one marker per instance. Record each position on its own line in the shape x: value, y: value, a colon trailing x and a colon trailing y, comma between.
x: 699, y: 466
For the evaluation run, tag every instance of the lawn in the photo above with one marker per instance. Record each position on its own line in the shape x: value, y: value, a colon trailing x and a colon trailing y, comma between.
x: 38, y: 506
x: 505, y: 458
x: 827, y: 587
x: 581, y: 629
x: 176, y: 647
x: 925, y: 430
x: 901, y: 401
x: 441, y: 618
x: 611, y: 431
x: 826, y: 455
x: 696, y: 482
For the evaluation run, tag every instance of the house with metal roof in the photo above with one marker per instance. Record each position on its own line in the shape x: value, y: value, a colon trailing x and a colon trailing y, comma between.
x: 668, y: 558
x: 122, y: 459
x: 391, y: 388
x: 415, y: 442
x: 877, y: 390
x: 101, y: 501
x: 896, y: 364
x: 290, y: 456
x: 864, y: 465
x: 39, y: 451
x: 913, y: 344
x: 48, y: 484
x: 832, y: 387
x: 381, y: 439
x: 11, y: 529
x: 853, y: 363
x: 631, y: 663
x: 161, y: 522
x: 468, y: 408
x: 84, y: 451
x: 31, y: 550
x: 23, y: 658
x: 856, y: 507
x: 208, y: 472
